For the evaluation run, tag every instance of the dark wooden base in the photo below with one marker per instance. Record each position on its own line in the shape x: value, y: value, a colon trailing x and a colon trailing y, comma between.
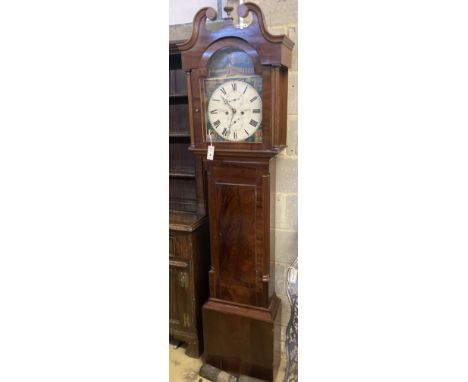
x: 241, y: 339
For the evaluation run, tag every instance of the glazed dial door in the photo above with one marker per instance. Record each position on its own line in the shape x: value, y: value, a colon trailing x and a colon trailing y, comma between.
x: 235, y: 110
x: 232, y: 99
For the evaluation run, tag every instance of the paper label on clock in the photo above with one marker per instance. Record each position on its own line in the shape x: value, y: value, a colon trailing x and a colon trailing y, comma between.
x: 210, y: 153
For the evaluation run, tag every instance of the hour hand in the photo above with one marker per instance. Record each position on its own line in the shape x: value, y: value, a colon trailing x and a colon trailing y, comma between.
x: 227, y: 103
x: 252, y: 110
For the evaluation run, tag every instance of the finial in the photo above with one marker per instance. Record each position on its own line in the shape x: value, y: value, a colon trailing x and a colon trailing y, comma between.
x: 211, y: 14
x: 228, y: 9
x: 242, y: 10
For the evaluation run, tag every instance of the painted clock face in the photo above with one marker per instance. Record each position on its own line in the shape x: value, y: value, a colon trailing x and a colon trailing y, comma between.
x: 232, y: 99
x: 235, y: 110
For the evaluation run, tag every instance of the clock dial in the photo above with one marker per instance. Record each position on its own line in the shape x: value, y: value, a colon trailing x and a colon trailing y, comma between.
x: 235, y: 110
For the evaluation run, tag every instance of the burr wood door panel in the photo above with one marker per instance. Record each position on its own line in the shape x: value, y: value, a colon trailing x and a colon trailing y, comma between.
x: 238, y: 220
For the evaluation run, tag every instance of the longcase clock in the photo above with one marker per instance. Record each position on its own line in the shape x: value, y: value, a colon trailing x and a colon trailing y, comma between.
x: 237, y: 84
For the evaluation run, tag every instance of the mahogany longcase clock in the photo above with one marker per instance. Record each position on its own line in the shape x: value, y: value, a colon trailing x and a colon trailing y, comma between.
x: 237, y: 84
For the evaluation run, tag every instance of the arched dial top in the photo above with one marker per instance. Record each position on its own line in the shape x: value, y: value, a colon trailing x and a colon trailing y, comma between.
x: 233, y: 98
x: 273, y: 49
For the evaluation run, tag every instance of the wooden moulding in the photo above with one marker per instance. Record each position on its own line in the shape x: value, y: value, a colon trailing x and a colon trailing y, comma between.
x: 273, y: 49
x: 184, y: 221
x: 255, y: 312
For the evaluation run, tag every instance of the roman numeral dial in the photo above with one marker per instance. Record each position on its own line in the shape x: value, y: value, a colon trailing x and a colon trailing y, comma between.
x: 234, y: 110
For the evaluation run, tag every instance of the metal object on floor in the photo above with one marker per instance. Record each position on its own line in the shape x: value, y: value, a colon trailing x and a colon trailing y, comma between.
x: 177, y: 344
x: 216, y: 375
x: 244, y: 378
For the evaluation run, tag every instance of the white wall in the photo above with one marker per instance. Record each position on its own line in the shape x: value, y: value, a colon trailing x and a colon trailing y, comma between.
x: 182, y: 11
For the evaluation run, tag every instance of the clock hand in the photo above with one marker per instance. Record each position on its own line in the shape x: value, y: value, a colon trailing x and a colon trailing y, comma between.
x: 227, y: 103
x: 237, y: 120
x: 230, y: 122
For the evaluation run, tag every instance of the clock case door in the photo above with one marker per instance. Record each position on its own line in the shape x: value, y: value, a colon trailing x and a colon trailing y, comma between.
x: 242, y: 269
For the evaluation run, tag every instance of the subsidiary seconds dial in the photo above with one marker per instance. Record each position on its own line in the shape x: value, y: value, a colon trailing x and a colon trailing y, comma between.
x: 235, y: 110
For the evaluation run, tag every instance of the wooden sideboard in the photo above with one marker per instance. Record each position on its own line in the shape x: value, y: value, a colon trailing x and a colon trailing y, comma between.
x: 188, y: 278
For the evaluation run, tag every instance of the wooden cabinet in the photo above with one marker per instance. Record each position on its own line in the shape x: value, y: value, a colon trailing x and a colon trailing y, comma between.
x: 189, y: 253
x: 188, y: 277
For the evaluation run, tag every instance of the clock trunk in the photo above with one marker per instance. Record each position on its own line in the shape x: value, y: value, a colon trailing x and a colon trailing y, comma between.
x: 240, y: 220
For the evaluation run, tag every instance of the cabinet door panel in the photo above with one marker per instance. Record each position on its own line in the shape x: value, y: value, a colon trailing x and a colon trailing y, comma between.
x: 179, y: 307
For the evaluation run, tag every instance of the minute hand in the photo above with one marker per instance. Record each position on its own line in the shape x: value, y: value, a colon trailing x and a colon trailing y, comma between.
x: 227, y: 103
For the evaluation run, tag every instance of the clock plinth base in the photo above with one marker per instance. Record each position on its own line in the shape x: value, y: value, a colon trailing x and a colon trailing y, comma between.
x: 241, y: 339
